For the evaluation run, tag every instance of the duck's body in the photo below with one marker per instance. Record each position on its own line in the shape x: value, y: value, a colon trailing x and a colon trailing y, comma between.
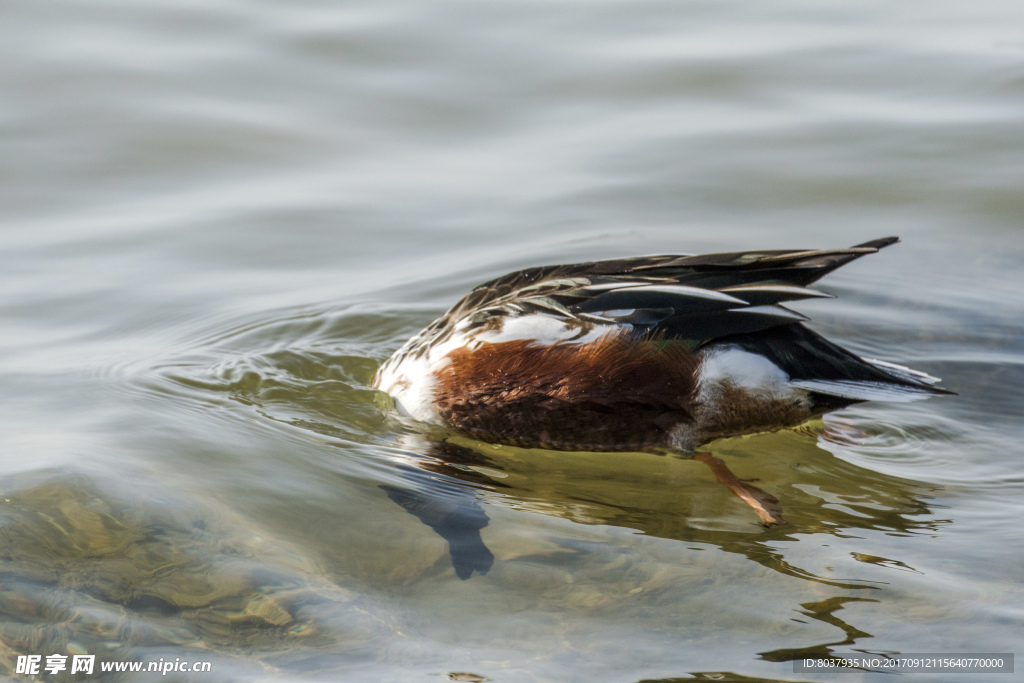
x: 657, y: 352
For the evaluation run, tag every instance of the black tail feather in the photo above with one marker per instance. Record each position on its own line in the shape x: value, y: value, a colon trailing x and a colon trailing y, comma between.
x: 805, y: 355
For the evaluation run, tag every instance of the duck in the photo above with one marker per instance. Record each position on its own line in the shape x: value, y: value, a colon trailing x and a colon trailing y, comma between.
x: 660, y: 353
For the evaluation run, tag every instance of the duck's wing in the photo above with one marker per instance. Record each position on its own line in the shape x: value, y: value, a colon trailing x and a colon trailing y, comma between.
x: 692, y: 298
x: 793, y: 267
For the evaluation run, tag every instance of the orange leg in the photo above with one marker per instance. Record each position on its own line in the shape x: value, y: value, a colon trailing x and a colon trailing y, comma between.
x: 765, y: 504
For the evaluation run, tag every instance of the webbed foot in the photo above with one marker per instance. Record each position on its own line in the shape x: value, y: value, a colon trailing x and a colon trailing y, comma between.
x: 763, y: 503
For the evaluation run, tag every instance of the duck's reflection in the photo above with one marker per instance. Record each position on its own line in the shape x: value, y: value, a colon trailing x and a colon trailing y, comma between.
x: 443, y: 479
x: 452, y: 511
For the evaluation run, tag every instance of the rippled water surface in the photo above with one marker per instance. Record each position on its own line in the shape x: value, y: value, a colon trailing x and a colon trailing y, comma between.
x: 218, y: 219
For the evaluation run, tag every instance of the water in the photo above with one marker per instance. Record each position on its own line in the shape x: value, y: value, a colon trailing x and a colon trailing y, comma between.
x: 218, y: 220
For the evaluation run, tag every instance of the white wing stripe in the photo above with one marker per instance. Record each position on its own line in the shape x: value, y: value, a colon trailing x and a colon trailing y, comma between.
x: 772, y: 310
x: 863, y: 391
x: 682, y: 290
x: 802, y: 292
x: 903, y: 371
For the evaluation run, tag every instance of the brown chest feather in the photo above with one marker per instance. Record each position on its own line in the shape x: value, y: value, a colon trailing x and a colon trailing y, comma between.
x: 616, y: 393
